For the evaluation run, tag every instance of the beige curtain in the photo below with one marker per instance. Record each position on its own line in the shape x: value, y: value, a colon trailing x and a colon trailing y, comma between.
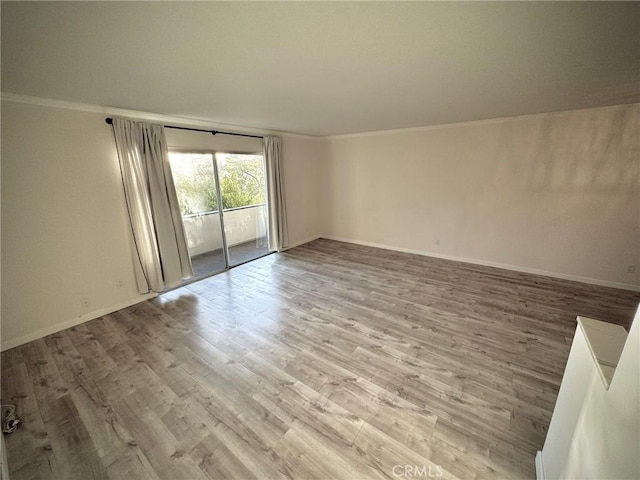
x: 161, y: 256
x: 278, y: 232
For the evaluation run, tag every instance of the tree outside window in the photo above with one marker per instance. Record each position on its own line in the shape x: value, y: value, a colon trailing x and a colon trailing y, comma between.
x: 242, y: 181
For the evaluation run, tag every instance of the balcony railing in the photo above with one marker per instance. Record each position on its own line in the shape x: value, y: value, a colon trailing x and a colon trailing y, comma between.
x: 241, y: 225
x: 212, y: 212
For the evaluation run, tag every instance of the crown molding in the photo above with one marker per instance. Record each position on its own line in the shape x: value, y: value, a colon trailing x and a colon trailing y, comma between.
x: 202, y: 123
x: 475, y: 122
x: 146, y: 116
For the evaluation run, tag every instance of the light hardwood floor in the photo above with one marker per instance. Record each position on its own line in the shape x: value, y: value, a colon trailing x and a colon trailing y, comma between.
x: 330, y: 361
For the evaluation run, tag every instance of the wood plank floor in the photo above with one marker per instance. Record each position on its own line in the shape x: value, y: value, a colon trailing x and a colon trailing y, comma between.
x: 330, y: 361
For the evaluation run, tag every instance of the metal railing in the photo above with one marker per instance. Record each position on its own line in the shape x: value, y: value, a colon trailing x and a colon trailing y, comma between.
x: 213, y: 212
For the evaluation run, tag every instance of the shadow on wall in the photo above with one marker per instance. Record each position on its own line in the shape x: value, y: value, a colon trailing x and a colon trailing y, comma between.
x: 595, y: 153
x: 582, y: 164
x: 555, y: 192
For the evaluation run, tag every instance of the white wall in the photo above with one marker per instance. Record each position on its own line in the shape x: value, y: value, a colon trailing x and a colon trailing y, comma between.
x: 607, y: 437
x: 188, y: 140
x: 556, y: 193
x: 594, y: 432
x: 64, y: 221
x: 577, y: 381
x: 303, y: 165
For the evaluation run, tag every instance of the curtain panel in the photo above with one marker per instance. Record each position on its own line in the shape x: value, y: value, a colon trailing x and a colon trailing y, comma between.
x: 278, y: 236
x: 161, y: 257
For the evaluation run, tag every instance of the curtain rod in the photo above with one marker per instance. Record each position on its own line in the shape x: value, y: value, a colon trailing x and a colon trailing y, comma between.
x: 109, y: 120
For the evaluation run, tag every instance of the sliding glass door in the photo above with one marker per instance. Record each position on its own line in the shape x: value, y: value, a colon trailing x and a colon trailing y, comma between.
x: 196, y: 184
x: 243, y: 192
x: 223, y: 203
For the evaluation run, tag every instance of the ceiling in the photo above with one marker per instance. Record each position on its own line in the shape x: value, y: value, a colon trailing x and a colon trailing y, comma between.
x: 325, y: 68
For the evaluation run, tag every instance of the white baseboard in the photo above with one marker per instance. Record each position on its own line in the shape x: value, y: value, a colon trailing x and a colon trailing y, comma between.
x: 98, y: 313
x: 539, y: 466
x: 515, y: 268
x: 73, y: 322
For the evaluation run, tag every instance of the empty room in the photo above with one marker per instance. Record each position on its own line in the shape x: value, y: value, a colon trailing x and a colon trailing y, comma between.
x: 320, y: 240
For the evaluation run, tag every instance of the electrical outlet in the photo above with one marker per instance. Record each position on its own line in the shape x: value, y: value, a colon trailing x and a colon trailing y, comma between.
x: 85, y: 303
x: 119, y: 283
x: 630, y: 268
x: 438, y: 242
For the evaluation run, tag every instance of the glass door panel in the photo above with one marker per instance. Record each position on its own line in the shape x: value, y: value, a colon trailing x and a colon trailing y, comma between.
x: 194, y: 176
x: 244, y: 201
